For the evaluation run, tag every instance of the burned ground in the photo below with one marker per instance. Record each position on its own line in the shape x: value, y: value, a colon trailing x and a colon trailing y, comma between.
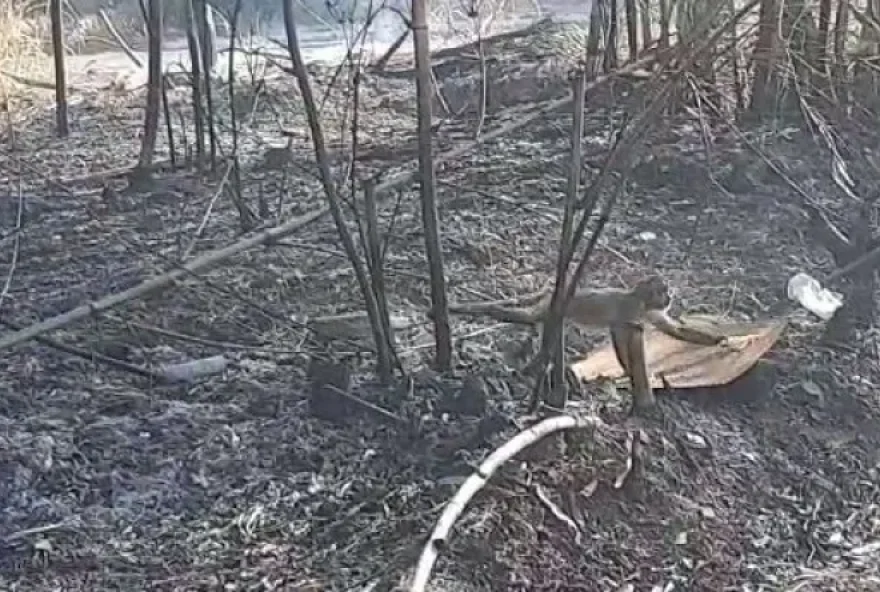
x: 108, y: 483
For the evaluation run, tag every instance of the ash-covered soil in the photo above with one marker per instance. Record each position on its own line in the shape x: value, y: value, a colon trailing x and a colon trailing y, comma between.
x: 110, y: 483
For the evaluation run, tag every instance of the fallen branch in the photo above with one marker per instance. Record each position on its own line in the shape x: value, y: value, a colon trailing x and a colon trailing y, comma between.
x: 208, y: 259
x: 102, y: 14
x: 379, y: 411
x: 478, y: 480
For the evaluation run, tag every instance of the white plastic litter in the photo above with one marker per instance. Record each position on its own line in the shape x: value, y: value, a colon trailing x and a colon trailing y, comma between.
x: 194, y: 370
x: 809, y: 293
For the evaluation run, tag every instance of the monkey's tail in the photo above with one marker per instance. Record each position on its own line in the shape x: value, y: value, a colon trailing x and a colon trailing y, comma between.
x: 527, y: 315
x: 519, y: 316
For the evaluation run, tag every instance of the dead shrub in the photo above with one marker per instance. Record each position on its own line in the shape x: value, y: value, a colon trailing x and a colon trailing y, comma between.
x: 20, y: 48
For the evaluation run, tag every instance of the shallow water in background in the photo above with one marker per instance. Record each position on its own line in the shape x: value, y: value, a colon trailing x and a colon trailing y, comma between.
x: 325, y: 44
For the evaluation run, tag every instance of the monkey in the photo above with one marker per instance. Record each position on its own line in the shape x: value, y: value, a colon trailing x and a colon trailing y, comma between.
x: 647, y: 302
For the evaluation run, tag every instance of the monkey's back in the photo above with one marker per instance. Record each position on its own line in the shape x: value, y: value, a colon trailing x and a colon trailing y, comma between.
x: 603, y: 308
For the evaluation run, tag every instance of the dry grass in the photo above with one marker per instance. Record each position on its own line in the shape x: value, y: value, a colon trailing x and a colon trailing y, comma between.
x: 20, y: 48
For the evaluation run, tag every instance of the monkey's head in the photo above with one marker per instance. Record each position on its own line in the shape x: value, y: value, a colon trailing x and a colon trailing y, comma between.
x: 654, y: 292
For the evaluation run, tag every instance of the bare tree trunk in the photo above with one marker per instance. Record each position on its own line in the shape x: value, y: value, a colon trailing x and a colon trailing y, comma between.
x: 645, y: 14
x: 632, y: 29
x: 594, y: 41
x: 169, y: 128
x: 440, y: 309
x: 824, y: 33
x: 764, y: 57
x: 208, y: 45
x: 376, y: 266
x: 323, y: 159
x: 484, y: 69
x: 868, y: 34
x: 154, y: 85
x: 558, y: 395
x: 665, y: 18
x: 62, y: 126
x: 799, y: 31
x: 841, y: 28
x: 610, y: 62
x: 208, y: 36
x: 233, y: 112
x: 195, y: 60
x: 368, y: 225
x: 735, y: 59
